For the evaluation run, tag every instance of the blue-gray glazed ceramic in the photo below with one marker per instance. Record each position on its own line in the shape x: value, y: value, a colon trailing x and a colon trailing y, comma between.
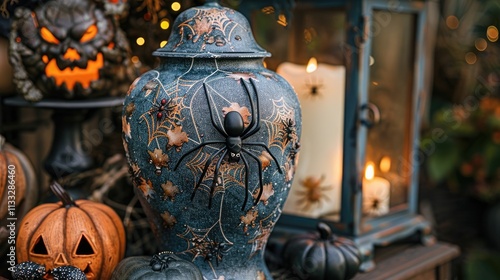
x: 212, y: 139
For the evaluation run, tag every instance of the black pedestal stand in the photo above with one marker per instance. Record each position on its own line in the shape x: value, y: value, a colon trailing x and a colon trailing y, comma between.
x: 67, y: 155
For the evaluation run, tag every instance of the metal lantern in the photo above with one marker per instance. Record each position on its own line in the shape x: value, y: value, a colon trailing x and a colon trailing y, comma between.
x: 361, y: 72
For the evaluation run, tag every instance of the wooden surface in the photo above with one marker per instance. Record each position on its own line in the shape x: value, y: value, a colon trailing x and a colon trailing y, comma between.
x: 415, y: 262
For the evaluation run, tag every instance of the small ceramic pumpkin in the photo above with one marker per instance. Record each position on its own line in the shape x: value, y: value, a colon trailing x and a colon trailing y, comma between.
x: 70, y: 49
x: 322, y: 255
x: 28, y: 270
x: 164, y: 265
x: 84, y: 234
x: 18, y: 188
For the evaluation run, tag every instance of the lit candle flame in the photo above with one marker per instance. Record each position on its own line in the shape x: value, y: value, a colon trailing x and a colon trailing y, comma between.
x: 385, y: 164
x: 312, y: 65
x: 370, y: 171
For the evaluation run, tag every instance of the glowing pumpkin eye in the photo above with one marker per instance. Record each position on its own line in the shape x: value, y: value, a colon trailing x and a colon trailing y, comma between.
x: 89, y: 34
x: 48, y: 36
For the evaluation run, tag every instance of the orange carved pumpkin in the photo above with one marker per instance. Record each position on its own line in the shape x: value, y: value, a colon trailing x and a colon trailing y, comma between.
x: 82, y: 233
x: 70, y: 49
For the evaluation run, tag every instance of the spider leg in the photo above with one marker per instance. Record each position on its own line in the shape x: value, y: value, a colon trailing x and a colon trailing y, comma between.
x: 261, y: 186
x: 246, y: 181
x: 207, y: 164
x: 216, y: 176
x: 267, y: 149
x: 221, y: 131
x: 196, y: 148
x: 254, y: 125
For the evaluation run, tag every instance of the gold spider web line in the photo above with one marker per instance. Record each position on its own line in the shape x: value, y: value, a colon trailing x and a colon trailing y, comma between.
x: 199, y: 234
x: 157, y: 128
x: 229, y: 174
x: 281, y: 113
x: 201, y: 237
x: 260, y: 238
x: 217, y: 18
x: 197, y: 162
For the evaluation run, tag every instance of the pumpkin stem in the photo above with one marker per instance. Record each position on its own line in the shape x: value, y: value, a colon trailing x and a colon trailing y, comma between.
x: 325, y: 231
x: 2, y: 142
x: 61, y: 193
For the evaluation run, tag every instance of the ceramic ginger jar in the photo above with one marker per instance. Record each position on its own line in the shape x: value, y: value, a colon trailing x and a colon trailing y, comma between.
x: 212, y: 139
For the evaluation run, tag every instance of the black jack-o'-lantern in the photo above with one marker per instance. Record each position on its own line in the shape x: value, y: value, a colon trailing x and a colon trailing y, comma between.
x: 69, y: 49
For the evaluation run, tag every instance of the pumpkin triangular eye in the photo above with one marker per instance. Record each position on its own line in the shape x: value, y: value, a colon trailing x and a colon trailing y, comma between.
x: 39, y: 247
x: 84, y: 247
x: 89, y: 34
x: 48, y: 36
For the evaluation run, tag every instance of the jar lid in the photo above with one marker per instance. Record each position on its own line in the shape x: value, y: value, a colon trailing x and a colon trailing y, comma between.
x: 211, y: 31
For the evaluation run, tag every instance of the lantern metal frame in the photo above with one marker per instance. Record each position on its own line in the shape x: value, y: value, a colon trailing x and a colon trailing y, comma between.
x: 404, y: 221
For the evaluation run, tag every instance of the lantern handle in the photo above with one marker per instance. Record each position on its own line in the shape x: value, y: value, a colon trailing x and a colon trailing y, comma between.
x: 375, y: 112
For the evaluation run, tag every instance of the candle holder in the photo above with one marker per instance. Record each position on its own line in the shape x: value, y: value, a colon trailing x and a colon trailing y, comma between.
x: 362, y: 96
x: 67, y: 154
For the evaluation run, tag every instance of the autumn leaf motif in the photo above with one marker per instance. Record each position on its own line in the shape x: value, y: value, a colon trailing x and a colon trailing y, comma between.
x: 289, y: 172
x: 267, y: 192
x: 149, y: 87
x: 265, y: 158
x: 237, y: 76
x: 269, y: 76
x: 176, y: 137
x: 249, y: 219
x: 126, y: 127
x: 129, y: 109
x: 146, y: 188
x: 134, y: 171
x: 168, y: 220
x: 201, y: 26
x: 169, y: 190
x: 244, y: 112
x: 260, y: 275
x: 125, y: 147
x: 158, y: 159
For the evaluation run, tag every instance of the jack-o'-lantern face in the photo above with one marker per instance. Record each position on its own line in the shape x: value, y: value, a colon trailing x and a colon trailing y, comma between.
x: 86, y: 235
x: 69, y: 49
x: 82, y: 253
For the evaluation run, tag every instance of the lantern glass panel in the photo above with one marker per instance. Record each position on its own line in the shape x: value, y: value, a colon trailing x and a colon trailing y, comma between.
x: 317, y: 33
x: 390, y: 93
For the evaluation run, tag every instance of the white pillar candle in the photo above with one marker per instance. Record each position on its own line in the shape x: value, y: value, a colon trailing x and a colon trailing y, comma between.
x: 376, y: 193
x: 316, y: 190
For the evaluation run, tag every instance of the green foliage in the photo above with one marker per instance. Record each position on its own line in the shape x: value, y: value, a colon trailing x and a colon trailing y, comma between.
x: 467, y: 155
x: 482, y: 265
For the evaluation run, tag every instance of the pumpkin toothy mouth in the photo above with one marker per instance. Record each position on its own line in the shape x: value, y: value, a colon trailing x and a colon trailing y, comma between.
x: 70, y: 77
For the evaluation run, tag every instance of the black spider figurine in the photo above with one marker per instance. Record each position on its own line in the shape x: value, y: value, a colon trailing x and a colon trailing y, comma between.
x: 161, y: 260
x: 234, y: 132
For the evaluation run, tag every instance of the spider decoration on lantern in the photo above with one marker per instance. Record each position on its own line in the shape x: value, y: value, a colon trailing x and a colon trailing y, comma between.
x: 313, y: 192
x: 314, y: 87
x: 234, y: 132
